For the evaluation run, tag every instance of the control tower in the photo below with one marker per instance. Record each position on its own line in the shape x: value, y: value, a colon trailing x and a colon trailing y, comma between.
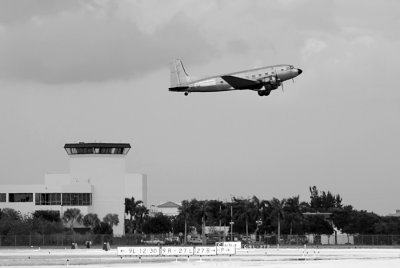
x: 103, y: 166
x: 97, y: 183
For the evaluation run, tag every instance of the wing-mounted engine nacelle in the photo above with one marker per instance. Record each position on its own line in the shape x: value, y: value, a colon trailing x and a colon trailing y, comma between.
x: 270, y: 87
x: 271, y: 83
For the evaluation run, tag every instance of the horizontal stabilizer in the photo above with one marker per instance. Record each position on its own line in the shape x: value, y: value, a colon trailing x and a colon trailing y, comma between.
x: 178, y: 89
x: 240, y: 83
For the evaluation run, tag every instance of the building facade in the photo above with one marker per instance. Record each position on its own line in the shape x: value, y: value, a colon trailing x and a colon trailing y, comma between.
x: 97, y: 183
x: 168, y: 208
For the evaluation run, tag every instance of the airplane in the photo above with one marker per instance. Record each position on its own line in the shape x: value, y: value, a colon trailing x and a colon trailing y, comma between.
x: 263, y: 80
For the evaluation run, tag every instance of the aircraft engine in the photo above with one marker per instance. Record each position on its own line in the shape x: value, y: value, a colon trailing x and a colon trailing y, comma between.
x: 271, y: 83
x: 269, y: 86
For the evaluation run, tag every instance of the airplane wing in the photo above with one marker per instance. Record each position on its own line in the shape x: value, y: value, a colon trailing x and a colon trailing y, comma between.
x: 240, y: 83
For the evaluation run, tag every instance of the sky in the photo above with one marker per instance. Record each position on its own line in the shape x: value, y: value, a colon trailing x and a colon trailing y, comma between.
x: 98, y: 71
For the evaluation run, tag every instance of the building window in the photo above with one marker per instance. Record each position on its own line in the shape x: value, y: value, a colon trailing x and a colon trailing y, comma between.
x: 105, y: 150
x: 84, y: 150
x: 76, y: 199
x: 46, y: 199
x: 20, y: 197
x: 3, y: 197
x: 97, y: 150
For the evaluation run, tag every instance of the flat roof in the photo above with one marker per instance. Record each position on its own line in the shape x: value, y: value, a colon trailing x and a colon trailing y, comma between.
x: 97, y: 148
x: 97, y: 145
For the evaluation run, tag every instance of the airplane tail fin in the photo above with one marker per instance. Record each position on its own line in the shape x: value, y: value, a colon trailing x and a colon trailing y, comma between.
x: 179, y: 78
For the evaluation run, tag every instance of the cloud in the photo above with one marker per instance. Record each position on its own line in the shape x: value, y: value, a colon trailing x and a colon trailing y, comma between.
x: 312, y: 46
x: 92, y: 41
x: 76, y: 47
x: 21, y: 11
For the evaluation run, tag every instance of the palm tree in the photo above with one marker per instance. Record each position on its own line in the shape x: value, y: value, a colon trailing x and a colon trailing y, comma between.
x: 202, y: 213
x: 111, y: 219
x: 222, y: 216
x: 258, y: 213
x: 130, y: 207
x: 292, y: 211
x: 135, y: 210
x: 185, y: 210
x: 264, y: 214
x: 277, y: 212
x: 140, y: 212
x: 91, y: 220
x: 247, y: 210
x: 71, y: 216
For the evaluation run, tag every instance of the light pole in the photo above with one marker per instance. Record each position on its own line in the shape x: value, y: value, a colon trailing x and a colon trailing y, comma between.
x: 258, y: 223
x: 231, y: 223
x: 203, y: 225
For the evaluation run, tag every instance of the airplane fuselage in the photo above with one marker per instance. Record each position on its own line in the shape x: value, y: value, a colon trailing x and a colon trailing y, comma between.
x: 216, y: 83
x: 263, y: 80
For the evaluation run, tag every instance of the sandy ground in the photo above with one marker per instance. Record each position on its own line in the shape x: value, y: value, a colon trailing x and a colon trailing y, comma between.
x: 271, y: 258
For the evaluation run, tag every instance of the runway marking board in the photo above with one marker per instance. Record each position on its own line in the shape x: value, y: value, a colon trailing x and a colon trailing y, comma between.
x: 138, y: 251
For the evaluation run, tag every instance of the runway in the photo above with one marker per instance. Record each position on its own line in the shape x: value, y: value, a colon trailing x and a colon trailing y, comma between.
x: 274, y: 258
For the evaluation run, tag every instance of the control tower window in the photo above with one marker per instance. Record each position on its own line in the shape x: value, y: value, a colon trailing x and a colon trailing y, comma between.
x: 20, y: 197
x: 85, y: 150
x: 97, y: 148
x: 105, y: 150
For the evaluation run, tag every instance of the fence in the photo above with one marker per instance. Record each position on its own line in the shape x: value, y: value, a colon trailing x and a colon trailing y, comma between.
x: 328, y: 240
x: 63, y: 240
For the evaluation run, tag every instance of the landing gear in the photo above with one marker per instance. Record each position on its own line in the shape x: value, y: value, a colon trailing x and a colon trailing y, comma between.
x: 186, y: 93
x: 264, y: 92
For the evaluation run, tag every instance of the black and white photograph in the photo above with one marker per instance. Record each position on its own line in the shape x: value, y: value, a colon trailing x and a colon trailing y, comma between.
x: 198, y: 133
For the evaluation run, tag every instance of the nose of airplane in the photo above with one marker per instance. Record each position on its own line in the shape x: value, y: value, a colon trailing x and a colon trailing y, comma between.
x: 299, y: 71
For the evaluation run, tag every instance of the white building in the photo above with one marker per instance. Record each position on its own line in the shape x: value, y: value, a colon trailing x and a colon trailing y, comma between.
x: 168, y: 208
x: 97, y: 183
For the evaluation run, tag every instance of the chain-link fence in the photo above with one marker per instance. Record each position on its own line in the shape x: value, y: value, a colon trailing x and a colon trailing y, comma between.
x: 63, y: 240
x: 324, y: 240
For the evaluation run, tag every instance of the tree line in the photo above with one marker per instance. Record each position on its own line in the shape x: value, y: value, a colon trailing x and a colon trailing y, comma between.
x: 44, y: 222
x: 288, y: 216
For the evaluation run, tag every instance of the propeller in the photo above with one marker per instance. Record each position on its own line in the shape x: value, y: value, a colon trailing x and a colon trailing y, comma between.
x: 279, y: 81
